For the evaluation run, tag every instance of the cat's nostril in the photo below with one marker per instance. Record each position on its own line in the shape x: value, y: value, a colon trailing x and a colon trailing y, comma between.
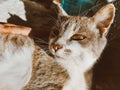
x: 57, y: 47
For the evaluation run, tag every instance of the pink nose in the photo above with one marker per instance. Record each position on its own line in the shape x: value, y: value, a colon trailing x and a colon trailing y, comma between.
x: 56, y: 47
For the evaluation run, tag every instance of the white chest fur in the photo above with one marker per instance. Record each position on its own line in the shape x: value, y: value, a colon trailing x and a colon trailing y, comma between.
x: 76, y: 72
x: 76, y: 82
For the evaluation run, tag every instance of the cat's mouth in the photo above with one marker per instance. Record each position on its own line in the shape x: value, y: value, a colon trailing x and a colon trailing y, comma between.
x: 54, y: 55
x: 65, y: 53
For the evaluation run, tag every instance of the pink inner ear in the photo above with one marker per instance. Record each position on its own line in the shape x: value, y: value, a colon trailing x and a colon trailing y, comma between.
x: 14, y: 29
x: 103, y: 26
x: 104, y: 18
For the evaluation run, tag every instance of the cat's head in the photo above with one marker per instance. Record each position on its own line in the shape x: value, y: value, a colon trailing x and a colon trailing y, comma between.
x: 81, y: 37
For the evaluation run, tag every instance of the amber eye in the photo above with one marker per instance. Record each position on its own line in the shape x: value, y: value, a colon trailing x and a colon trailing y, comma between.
x: 78, y: 37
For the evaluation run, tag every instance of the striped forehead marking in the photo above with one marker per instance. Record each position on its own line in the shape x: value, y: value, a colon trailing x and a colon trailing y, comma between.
x: 69, y: 23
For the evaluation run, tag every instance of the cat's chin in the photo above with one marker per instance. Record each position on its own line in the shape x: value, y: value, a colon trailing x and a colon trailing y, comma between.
x: 58, y: 56
x: 54, y: 55
x: 63, y: 57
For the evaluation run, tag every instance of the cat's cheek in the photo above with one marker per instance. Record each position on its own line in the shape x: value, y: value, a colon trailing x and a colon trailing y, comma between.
x: 76, y: 49
x: 59, y: 53
x: 67, y: 52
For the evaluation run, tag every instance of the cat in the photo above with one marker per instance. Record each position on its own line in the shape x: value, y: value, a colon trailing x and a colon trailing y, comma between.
x: 75, y: 44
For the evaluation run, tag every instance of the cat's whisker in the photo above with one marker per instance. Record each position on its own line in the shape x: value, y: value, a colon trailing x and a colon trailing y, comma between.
x: 44, y: 47
x: 40, y: 40
x: 43, y: 41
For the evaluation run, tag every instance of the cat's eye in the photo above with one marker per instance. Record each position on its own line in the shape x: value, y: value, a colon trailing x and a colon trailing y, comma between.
x: 78, y: 37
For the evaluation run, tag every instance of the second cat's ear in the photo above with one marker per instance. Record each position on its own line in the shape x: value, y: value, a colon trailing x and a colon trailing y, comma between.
x: 60, y: 9
x: 104, y: 18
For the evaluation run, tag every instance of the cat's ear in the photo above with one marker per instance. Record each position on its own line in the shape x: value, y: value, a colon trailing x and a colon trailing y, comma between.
x: 104, y: 18
x: 60, y: 9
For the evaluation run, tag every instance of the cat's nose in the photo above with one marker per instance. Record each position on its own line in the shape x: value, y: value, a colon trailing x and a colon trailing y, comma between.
x: 56, y: 47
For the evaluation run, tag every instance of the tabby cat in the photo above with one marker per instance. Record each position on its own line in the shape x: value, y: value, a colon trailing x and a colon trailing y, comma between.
x: 75, y: 44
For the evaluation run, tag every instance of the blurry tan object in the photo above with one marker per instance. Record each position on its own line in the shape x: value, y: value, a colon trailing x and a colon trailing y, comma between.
x: 14, y: 29
x: 58, y: 1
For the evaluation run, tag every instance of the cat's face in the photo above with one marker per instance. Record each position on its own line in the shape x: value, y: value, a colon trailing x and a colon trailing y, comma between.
x: 81, y: 37
x: 76, y: 36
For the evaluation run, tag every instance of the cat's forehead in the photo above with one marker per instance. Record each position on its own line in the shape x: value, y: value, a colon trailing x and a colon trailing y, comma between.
x: 75, y: 19
x: 77, y: 23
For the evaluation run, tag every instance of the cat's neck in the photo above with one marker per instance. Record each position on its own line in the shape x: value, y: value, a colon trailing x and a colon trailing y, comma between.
x: 76, y: 73
x: 78, y: 64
